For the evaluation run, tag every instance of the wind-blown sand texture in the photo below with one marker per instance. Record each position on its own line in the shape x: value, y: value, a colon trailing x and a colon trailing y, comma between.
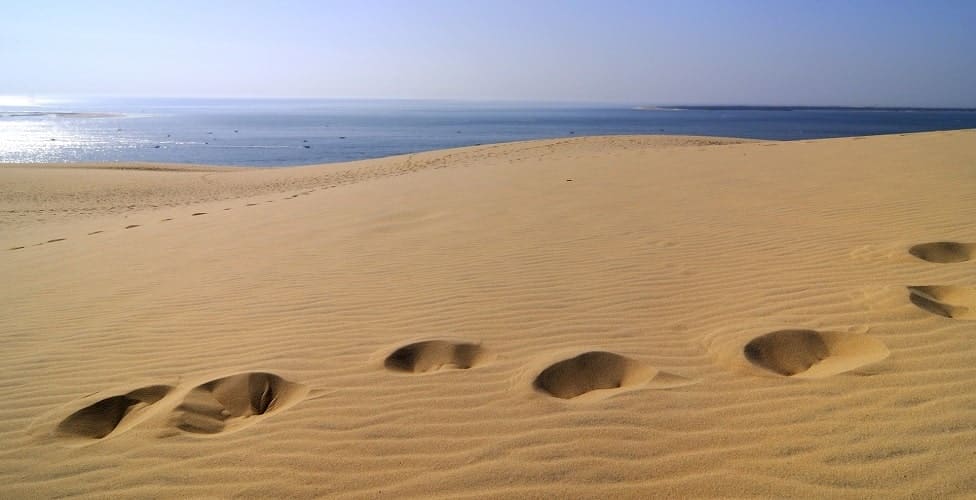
x: 596, y: 317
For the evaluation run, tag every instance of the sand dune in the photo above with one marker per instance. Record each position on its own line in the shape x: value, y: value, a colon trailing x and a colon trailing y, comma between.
x: 597, y: 317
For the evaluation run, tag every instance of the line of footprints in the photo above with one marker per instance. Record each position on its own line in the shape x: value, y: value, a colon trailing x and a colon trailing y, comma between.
x: 194, y: 214
x: 233, y: 402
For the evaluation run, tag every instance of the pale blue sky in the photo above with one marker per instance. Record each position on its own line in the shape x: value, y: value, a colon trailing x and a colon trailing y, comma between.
x: 865, y: 53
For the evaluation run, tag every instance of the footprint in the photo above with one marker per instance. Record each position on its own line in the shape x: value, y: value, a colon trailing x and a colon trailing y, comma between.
x: 813, y: 354
x: 198, y: 213
x: 111, y: 415
x: 956, y: 302
x: 234, y: 402
x: 434, y: 355
x: 944, y: 252
x: 131, y: 226
x: 601, y: 373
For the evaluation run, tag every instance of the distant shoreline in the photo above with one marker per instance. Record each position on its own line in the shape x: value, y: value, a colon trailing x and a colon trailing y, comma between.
x: 795, y: 108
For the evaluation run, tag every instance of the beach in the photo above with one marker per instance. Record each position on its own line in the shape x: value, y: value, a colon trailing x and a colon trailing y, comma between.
x: 594, y: 317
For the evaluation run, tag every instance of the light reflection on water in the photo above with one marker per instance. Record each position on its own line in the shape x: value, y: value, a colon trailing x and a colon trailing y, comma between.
x: 57, y: 139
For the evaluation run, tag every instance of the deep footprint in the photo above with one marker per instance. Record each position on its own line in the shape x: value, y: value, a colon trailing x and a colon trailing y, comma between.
x: 601, y: 371
x: 234, y: 402
x: 433, y: 355
x: 944, y: 252
x: 956, y: 302
x: 104, y: 417
x: 813, y: 354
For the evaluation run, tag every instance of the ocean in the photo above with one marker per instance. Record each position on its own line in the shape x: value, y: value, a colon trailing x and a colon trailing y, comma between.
x: 282, y: 132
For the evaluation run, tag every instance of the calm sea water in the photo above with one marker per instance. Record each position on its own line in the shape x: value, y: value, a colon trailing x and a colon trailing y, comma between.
x: 295, y: 132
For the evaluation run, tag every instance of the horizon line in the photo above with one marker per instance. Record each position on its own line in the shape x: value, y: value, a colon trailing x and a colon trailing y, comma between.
x: 40, y: 100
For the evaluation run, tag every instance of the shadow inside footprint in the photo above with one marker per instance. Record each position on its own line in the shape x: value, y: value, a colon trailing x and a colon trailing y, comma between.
x: 813, y: 354
x: 601, y: 371
x: 233, y: 402
x: 956, y: 302
x: 102, y: 418
x: 944, y: 252
x: 433, y: 355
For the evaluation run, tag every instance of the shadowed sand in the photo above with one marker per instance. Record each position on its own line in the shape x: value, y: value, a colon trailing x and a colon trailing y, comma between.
x: 944, y: 252
x: 808, y: 353
x: 956, y: 302
x: 103, y: 417
x: 687, y: 318
x: 231, y: 402
x: 600, y: 374
x: 434, y: 355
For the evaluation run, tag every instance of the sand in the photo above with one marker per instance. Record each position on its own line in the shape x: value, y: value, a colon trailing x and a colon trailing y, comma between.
x: 597, y: 317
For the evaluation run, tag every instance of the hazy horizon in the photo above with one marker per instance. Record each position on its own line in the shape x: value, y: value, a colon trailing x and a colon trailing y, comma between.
x: 51, y: 101
x: 667, y: 53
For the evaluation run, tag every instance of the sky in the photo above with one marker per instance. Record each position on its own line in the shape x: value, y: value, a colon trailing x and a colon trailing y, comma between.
x: 775, y: 52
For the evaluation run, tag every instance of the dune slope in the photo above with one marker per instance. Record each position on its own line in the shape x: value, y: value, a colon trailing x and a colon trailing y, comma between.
x: 596, y: 317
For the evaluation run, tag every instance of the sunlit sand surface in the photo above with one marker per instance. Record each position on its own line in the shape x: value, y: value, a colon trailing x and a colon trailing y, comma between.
x: 594, y: 317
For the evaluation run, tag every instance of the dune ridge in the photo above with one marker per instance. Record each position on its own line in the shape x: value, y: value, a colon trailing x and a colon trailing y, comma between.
x: 269, y: 318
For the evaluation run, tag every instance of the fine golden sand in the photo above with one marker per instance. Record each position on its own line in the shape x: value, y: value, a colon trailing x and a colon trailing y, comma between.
x: 597, y: 317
